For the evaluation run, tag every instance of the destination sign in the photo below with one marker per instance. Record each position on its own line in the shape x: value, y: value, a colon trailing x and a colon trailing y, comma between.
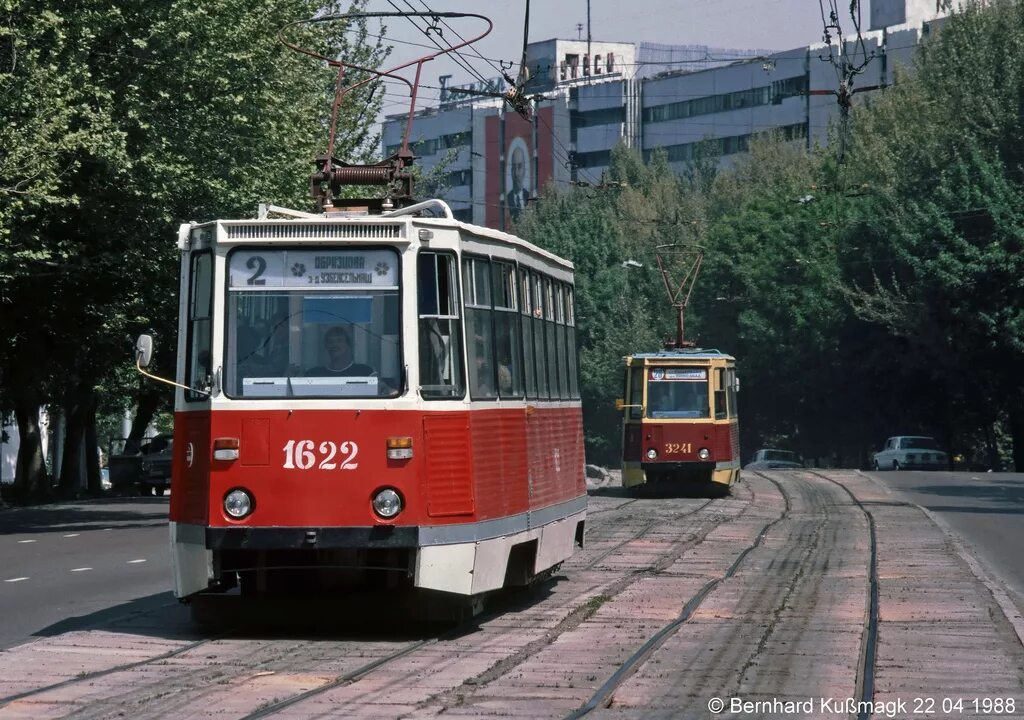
x: 678, y: 374
x: 308, y: 269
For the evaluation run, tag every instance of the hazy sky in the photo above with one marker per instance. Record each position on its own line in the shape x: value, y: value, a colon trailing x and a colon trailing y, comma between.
x: 739, y: 24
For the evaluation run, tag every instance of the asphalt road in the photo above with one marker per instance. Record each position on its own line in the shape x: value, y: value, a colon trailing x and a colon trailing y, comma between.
x: 985, y: 509
x: 74, y: 565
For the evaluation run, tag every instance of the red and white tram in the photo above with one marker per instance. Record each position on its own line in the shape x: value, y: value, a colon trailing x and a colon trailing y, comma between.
x: 380, y: 400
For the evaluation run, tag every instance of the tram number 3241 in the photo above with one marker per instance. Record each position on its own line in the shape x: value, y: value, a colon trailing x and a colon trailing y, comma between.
x: 299, y: 454
x: 675, y: 448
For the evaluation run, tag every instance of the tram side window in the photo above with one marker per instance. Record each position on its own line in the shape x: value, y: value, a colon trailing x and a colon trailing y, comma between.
x: 529, y: 356
x: 476, y: 273
x: 440, y: 327
x: 506, y: 330
x: 721, y: 405
x: 636, y: 392
x: 570, y: 343
x: 731, y: 379
x: 199, y: 373
x: 552, y: 343
x: 539, y: 343
x: 560, y: 341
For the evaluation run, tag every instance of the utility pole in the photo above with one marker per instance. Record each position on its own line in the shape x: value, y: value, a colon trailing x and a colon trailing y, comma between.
x: 579, y: 31
x: 590, y: 58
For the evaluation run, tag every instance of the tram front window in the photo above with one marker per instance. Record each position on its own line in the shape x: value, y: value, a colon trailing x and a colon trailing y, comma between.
x: 313, y: 323
x: 677, y: 393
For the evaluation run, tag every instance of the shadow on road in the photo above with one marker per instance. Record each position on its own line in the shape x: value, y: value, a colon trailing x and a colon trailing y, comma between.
x: 158, y: 615
x: 369, y: 615
x: 985, y: 494
x: 115, y: 512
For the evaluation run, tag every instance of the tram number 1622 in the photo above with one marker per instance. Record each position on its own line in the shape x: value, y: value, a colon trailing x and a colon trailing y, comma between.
x: 299, y: 454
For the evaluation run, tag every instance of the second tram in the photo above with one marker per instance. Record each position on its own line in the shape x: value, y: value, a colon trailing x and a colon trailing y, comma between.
x: 680, y: 420
x: 380, y: 401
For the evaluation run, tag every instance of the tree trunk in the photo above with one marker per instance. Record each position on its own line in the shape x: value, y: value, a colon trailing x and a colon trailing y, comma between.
x: 991, y: 451
x: 30, y: 477
x: 1017, y: 433
x: 149, y: 401
x: 92, y: 454
x: 72, y: 480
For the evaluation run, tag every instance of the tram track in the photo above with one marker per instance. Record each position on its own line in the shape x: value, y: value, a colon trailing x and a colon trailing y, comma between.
x: 296, y: 656
x: 869, y: 648
x: 97, y: 674
x: 91, y: 676
x: 784, y: 615
x: 606, y: 690
x: 575, y: 617
x: 796, y: 603
x: 781, y: 592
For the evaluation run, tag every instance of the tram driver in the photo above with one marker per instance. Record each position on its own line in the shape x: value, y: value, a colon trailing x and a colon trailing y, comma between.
x: 338, y: 343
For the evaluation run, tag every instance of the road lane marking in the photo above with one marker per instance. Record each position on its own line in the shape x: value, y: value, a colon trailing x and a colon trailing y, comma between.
x: 132, y: 562
x: 22, y: 542
x: 80, y: 569
x: 16, y: 579
x: 72, y: 535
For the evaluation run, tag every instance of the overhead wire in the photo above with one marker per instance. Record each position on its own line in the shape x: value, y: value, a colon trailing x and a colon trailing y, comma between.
x: 426, y: 32
x: 453, y: 30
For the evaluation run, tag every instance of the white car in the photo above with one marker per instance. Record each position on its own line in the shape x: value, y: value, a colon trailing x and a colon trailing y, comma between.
x: 771, y: 459
x: 910, y: 452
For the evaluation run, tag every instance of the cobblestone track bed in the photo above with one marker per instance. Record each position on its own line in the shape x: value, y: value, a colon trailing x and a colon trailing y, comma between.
x: 222, y: 668
x: 87, y: 655
x: 787, y: 624
x: 941, y: 632
x: 202, y: 678
x: 650, y: 530
x: 558, y: 679
x: 562, y: 675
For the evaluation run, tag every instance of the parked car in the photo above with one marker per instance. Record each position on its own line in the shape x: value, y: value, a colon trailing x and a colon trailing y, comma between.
x: 910, y: 452
x: 155, y: 467
x: 771, y: 459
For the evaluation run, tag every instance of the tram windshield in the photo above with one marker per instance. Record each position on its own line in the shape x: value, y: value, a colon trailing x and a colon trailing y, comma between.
x: 313, y: 323
x: 677, y: 392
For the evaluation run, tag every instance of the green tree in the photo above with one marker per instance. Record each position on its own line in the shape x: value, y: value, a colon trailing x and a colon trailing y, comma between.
x: 943, y: 228
x: 184, y: 112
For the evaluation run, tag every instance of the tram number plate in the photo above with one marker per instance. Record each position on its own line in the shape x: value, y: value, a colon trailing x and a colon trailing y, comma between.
x: 678, y: 448
x: 306, y: 454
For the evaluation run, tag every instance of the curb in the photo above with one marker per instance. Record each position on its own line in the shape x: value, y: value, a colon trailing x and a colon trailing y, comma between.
x: 979, y: 568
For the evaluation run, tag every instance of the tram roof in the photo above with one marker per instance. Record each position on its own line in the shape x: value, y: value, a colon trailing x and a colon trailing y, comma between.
x: 493, y: 234
x: 343, y: 219
x: 683, y: 354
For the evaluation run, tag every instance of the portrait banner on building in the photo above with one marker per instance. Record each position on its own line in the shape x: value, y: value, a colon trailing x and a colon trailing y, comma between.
x: 515, y: 173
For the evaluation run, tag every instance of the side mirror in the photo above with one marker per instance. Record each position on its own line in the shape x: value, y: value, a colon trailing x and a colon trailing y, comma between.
x: 144, y: 350
x: 620, y: 404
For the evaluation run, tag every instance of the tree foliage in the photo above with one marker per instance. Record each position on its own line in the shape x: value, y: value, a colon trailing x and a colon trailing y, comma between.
x: 119, y: 123
x: 880, y: 294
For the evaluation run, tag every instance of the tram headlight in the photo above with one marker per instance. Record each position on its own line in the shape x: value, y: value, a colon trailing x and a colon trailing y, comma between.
x: 238, y: 503
x: 652, y: 454
x: 387, y: 503
x: 703, y: 453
